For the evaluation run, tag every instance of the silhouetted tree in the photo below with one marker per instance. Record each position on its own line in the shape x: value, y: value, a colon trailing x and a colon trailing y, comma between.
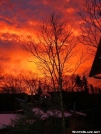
x: 84, y: 81
x: 31, y: 85
x: 91, y: 26
x: 81, y: 83
x: 85, y: 84
x: 11, y: 84
x: 57, y: 45
x: 78, y: 80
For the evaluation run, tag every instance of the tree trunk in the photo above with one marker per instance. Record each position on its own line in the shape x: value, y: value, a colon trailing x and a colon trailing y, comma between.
x: 61, y: 105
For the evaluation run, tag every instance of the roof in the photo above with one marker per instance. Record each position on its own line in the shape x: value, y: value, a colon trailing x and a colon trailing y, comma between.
x: 96, y: 66
x: 45, y: 95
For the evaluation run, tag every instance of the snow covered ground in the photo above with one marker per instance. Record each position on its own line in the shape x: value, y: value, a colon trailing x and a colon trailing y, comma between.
x: 55, y: 113
x: 5, y: 119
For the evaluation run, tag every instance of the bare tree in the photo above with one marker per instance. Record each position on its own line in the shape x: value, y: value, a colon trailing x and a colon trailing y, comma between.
x: 12, y: 85
x: 91, y: 26
x: 31, y: 84
x: 54, y: 50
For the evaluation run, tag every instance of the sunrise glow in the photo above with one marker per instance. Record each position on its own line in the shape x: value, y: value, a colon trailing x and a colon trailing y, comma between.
x: 20, y: 20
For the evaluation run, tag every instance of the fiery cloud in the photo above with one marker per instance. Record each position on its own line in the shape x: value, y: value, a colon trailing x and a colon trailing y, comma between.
x: 22, y: 18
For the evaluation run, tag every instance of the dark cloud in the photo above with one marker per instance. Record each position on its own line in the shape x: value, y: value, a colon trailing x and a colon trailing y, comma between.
x: 4, y: 58
x: 10, y: 42
x: 19, y: 12
x: 6, y: 45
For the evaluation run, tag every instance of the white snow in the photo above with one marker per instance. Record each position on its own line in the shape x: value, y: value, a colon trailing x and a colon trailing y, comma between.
x: 55, y: 113
x: 5, y: 119
x: 38, y: 111
x: 58, y: 113
x: 79, y: 113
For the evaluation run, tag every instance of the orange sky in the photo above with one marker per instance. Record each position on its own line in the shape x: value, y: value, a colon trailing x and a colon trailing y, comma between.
x: 22, y: 18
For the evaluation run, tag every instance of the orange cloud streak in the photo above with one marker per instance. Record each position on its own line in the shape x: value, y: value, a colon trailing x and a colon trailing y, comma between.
x: 23, y: 20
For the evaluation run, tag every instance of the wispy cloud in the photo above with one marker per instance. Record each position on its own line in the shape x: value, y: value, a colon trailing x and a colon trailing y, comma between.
x: 22, y: 18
